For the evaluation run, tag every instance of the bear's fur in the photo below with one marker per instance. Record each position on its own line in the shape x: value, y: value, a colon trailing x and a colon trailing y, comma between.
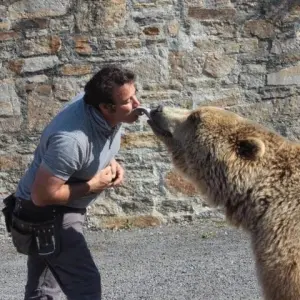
x: 253, y: 173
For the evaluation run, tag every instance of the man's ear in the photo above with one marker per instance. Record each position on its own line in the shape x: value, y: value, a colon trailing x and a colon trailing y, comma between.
x: 250, y: 148
x: 107, y: 108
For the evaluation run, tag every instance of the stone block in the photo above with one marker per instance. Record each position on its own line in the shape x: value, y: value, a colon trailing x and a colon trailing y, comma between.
x: 29, y: 34
x: 66, y: 24
x: 105, y: 207
x: 218, y: 65
x: 223, y: 30
x: 33, y: 64
x: 263, y: 29
x: 140, y: 205
x: 289, y: 58
x: 27, y: 9
x: 248, y: 45
x: 218, y: 97
x: 256, y: 68
x: 9, y: 100
x: 206, y: 14
x: 10, y: 162
x: 173, y: 28
x: 138, y: 188
x: 215, y: 4
x: 144, y: 3
x: 186, y: 63
x: 231, y: 47
x: 151, y: 30
x: 151, y: 67
x: 42, y: 45
x: 123, y: 222
x: 4, y: 71
x: 170, y: 207
x: 5, y: 24
x: 114, y: 13
x: 139, y: 140
x: 37, y: 79
x: 128, y: 43
x: 10, y: 125
x: 67, y: 88
x: 34, y: 24
x: 252, y: 80
x: 277, y: 92
x: 103, y: 16
x: 74, y: 70
x: 41, y: 106
x: 287, y: 76
x: 82, y: 45
x: 176, y: 64
x: 16, y: 65
x: 208, y: 45
x: 137, y: 173
x: 9, y: 35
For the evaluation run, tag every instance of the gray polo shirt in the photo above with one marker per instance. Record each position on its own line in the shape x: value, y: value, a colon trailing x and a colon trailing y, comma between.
x: 76, y: 145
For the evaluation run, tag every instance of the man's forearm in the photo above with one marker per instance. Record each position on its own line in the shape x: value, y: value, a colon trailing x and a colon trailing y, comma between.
x: 63, y: 195
x: 71, y: 191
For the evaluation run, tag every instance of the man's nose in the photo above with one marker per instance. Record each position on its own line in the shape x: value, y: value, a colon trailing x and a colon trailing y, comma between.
x: 136, y: 103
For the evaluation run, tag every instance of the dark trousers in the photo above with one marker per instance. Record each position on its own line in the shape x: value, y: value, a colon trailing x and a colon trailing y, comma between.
x: 71, y: 271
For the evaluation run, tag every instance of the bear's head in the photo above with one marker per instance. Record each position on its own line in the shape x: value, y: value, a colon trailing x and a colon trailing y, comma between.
x: 226, y: 156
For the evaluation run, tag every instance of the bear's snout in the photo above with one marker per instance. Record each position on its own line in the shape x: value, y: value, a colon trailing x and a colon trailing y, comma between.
x: 156, y: 110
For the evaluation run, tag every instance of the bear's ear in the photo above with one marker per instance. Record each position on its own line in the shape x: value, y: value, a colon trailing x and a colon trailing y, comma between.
x: 194, y: 117
x: 250, y: 148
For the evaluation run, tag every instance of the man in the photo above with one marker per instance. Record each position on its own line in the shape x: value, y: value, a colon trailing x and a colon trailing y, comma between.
x: 73, y: 163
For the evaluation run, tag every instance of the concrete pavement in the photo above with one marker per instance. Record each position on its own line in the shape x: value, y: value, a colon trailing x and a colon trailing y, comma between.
x: 203, y: 260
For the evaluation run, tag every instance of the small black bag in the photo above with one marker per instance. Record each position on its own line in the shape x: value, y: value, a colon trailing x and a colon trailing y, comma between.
x: 22, y: 236
x: 35, y: 238
x: 9, y: 205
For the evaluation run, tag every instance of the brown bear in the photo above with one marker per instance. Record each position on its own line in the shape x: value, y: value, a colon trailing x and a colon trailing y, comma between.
x: 254, y: 173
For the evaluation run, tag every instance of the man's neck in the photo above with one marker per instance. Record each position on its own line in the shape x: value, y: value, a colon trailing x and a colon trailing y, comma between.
x: 108, y: 118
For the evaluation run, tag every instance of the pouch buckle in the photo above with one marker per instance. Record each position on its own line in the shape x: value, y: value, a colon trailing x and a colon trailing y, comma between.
x: 45, y: 239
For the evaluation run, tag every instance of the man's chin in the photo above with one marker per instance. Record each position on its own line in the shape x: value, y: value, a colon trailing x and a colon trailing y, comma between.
x: 132, y: 119
x: 129, y: 121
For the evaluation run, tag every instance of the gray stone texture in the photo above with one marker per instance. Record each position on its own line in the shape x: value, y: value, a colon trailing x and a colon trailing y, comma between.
x: 242, y: 55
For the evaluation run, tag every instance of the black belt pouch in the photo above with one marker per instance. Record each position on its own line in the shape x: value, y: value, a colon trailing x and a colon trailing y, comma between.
x: 22, y: 236
x: 9, y: 205
x: 36, y: 238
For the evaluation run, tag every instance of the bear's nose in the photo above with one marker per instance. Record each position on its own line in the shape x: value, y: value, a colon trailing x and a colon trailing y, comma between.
x: 158, y: 109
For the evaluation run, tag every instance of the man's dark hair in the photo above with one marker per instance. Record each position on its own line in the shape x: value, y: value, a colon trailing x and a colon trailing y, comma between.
x: 100, y: 87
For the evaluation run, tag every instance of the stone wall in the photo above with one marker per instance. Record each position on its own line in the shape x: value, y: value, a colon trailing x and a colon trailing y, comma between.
x: 240, y: 54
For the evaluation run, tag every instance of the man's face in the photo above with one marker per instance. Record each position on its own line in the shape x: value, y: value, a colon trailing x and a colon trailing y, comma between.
x: 125, y: 101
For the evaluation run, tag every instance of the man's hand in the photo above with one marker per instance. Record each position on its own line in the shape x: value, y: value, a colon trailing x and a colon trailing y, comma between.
x: 102, y: 180
x: 117, y: 173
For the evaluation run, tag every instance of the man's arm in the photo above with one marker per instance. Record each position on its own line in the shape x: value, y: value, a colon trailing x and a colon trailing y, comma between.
x: 50, y: 190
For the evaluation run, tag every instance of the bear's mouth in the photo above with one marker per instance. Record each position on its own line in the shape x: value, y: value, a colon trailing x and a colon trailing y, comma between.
x: 157, y: 122
x: 158, y: 130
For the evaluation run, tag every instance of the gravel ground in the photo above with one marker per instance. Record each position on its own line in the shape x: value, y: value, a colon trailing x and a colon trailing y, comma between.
x: 205, y: 260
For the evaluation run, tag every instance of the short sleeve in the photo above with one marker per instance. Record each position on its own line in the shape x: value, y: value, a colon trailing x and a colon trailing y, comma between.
x: 64, y: 155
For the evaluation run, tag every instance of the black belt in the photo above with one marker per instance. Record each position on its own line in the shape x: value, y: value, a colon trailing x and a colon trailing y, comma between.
x: 28, y: 211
